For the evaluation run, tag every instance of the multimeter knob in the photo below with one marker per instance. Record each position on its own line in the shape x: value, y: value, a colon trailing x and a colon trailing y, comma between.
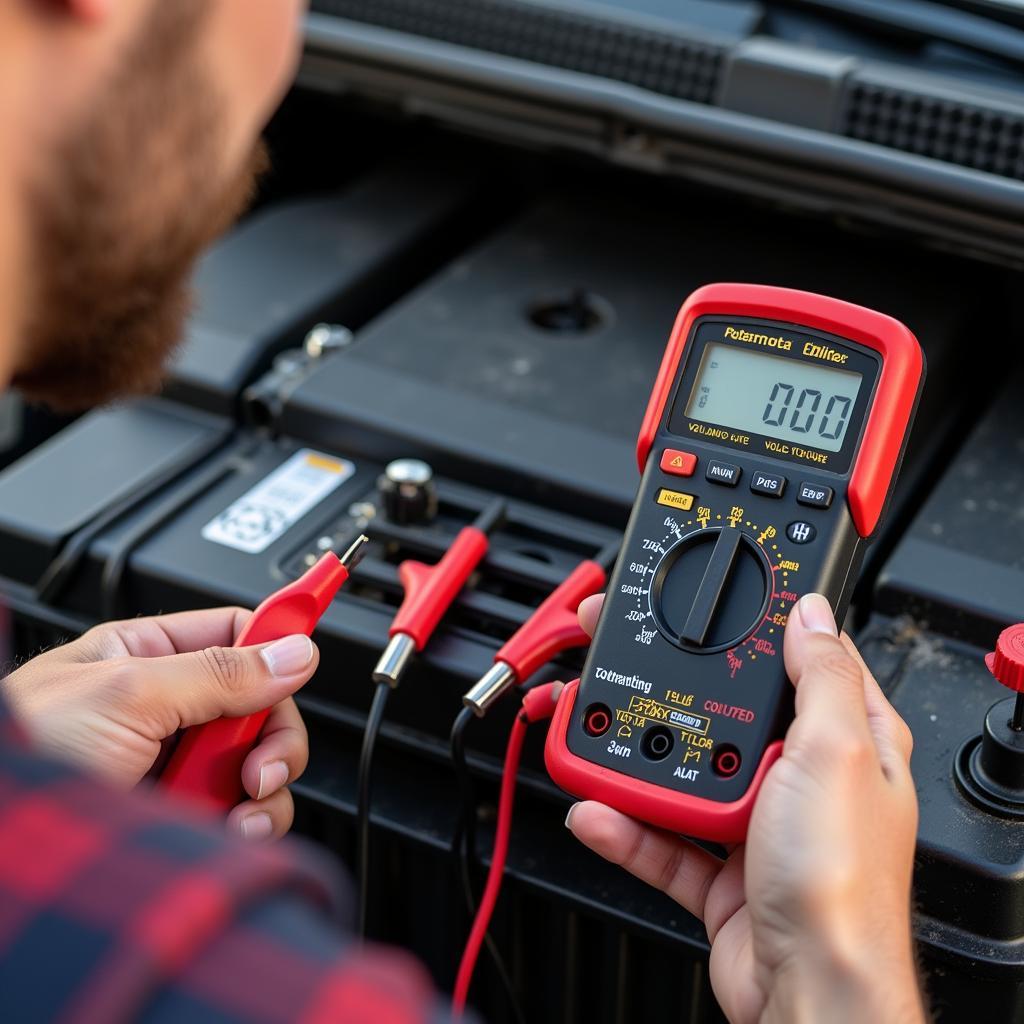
x: 711, y: 590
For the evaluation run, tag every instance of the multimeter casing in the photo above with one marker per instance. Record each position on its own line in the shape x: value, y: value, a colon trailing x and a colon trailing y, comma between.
x: 683, y: 700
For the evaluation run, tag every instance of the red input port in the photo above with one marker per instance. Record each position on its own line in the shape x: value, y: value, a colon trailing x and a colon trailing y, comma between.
x: 597, y: 720
x: 726, y: 761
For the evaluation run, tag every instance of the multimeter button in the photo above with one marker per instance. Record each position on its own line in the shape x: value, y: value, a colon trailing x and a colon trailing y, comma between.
x: 768, y: 483
x: 723, y: 473
x: 814, y: 495
x: 674, y: 499
x: 801, y: 533
x: 678, y: 463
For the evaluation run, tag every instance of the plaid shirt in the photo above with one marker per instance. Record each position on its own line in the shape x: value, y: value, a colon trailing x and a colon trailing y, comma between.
x: 122, y: 908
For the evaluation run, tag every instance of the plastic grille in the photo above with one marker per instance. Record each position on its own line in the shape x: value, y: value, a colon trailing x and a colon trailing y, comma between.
x: 984, y: 139
x: 684, y: 69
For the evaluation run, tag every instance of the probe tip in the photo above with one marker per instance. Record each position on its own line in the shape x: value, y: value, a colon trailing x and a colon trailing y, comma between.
x: 355, y: 553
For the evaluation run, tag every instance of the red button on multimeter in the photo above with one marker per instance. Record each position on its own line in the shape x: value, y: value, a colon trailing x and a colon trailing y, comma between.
x: 685, y: 673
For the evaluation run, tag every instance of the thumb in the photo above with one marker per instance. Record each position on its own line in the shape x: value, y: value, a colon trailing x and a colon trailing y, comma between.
x: 228, y: 682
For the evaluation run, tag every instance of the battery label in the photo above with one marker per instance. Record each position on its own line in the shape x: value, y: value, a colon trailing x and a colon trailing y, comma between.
x: 264, y: 513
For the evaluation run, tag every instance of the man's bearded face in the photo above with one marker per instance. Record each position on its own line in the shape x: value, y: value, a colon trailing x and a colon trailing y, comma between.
x: 128, y: 203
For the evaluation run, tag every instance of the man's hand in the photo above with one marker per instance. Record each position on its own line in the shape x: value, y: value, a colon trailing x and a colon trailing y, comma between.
x: 108, y: 700
x: 810, y: 920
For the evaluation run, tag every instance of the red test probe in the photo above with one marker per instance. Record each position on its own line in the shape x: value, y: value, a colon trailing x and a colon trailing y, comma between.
x: 430, y: 591
x: 538, y: 704
x: 206, y: 765
x: 554, y: 627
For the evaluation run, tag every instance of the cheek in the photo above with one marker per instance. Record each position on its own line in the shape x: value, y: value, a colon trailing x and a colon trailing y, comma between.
x: 254, y: 48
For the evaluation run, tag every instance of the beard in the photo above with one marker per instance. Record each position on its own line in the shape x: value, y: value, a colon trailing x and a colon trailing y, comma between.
x: 129, y: 202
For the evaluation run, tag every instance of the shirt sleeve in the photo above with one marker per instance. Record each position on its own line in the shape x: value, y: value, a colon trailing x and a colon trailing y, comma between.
x: 124, y: 907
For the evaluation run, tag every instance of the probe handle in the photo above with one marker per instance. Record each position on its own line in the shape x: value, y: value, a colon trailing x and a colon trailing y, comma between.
x: 430, y: 589
x: 554, y: 626
x: 206, y: 765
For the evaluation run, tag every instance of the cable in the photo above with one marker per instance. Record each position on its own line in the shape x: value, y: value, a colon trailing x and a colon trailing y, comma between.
x: 363, y: 786
x: 538, y: 703
x: 506, y: 802
x: 464, y: 840
x: 464, y: 848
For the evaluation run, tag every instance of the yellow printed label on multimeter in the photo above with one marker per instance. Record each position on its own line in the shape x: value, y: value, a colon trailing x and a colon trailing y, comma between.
x: 675, y: 499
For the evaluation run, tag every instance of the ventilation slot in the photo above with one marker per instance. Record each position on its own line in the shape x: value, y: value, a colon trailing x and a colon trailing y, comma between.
x: 956, y: 133
x: 670, y: 66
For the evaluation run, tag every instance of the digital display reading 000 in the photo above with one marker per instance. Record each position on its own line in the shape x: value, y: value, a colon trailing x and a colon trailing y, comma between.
x: 784, y: 398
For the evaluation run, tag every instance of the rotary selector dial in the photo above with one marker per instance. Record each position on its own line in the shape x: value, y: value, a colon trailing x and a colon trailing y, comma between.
x: 713, y: 582
x: 711, y: 590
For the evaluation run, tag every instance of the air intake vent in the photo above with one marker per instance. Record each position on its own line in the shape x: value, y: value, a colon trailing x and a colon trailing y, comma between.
x: 684, y: 69
x: 982, y: 138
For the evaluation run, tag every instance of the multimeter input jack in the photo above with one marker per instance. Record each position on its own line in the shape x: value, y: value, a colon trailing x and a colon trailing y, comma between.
x: 657, y: 743
x: 726, y: 761
x: 597, y: 720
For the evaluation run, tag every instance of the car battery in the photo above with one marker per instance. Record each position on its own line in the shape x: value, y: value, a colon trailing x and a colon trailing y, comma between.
x: 62, y: 495
x: 339, y: 258
x: 959, y: 567
x: 970, y: 948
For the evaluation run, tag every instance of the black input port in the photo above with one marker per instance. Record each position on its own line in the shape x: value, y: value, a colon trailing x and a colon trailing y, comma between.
x: 726, y: 761
x: 597, y: 720
x: 657, y: 743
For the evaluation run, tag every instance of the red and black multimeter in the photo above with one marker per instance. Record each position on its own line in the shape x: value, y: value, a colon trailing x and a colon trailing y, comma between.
x: 769, y: 451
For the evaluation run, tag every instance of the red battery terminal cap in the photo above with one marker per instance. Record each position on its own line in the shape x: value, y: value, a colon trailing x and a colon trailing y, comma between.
x: 1006, y: 662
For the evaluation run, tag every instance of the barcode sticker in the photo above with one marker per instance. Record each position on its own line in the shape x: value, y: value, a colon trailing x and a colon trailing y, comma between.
x: 264, y: 513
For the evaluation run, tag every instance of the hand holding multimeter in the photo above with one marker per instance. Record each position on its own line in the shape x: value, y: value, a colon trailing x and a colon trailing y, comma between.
x: 769, y: 452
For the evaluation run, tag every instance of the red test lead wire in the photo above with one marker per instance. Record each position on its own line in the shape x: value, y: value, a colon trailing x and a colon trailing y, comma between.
x: 206, y: 765
x: 538, y: 704
x: 554, y: 627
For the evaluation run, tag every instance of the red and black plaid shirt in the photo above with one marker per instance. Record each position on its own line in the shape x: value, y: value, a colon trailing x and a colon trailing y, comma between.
x: 121, y: 908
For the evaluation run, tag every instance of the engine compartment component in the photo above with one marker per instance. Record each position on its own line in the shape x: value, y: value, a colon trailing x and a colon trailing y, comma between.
x: 510, y: 340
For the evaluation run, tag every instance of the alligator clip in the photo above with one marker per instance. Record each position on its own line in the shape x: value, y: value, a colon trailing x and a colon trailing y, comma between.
x: 206, y: 765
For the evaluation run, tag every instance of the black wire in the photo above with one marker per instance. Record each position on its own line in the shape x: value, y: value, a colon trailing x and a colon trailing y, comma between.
x: 464, y: 847
x: 363, y: 784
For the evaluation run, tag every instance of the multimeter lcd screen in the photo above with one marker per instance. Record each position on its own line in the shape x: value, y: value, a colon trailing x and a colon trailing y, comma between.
x: 784, y: 398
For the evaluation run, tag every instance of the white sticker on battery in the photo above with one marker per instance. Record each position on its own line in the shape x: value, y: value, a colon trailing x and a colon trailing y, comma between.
x: 262, y: 514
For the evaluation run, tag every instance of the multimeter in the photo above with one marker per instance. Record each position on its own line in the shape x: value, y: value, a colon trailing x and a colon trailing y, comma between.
x: 768, y: 453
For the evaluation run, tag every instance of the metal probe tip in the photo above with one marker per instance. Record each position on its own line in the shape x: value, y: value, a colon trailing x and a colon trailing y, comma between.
x: 401, y: 647
x: 495, y: 681
x: 355, y: 553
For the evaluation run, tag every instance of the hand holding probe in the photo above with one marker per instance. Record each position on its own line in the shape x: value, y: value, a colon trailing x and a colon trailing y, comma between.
x: 206, y: 765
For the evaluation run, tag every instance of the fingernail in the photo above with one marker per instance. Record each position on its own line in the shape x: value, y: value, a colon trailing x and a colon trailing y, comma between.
x: 816, y: 614
x: 272, y: 777
x: 568, y: 817
x: 257, y: 826
x: 288, y: 656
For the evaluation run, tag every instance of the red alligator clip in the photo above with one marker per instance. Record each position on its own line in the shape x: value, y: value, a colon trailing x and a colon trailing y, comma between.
x: 206, y: 765
x: 551, y: 629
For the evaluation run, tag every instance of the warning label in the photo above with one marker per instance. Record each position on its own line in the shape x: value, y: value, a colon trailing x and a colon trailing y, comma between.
x: 264, y: 513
